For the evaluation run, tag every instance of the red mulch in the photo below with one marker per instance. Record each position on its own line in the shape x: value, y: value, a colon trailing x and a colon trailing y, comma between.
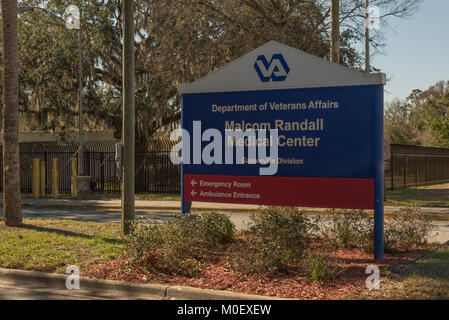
x: 216, y: 274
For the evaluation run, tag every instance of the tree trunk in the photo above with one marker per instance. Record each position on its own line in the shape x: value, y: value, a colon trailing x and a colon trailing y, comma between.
x: 10, y: 128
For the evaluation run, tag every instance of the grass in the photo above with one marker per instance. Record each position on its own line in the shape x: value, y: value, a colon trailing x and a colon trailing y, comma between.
x: 159, y: 196
x: 431, y: 196
x: 52, y: 245
x: 426, y: 278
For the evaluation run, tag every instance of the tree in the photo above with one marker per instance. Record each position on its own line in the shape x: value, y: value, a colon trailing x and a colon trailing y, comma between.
x: 353, y: 17
x: 398, y: 126
x: 10, y: 122
x: 422, y: 119
x: 436, y: 113
x: 176, y: 41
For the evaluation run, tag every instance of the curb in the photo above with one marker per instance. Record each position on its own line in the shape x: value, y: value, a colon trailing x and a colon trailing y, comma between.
x: 121, y: 288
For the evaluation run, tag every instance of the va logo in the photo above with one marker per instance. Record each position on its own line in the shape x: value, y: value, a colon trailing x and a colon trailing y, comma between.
x: 275, y: 70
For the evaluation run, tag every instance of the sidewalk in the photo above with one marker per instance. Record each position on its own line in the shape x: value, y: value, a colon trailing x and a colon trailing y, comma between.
x: 139, y: 204
x: 172, y: 205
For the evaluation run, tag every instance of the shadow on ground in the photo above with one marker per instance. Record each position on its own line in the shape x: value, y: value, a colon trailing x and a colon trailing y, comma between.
x: 69, y: 233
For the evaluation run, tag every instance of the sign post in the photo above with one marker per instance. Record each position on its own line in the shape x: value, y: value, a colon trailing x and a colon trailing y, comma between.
x: 281, y: 127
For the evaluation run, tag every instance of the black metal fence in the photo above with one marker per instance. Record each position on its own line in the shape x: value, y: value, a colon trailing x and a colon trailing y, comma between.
x: 155, y: 173
x: 410, y: 166
x: 45, y: 153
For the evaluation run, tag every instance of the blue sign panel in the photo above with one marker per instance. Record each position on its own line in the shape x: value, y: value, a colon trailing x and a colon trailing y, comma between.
x: 322, y: 132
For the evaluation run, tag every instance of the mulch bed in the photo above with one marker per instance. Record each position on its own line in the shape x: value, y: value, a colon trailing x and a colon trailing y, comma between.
x: 216, y: 274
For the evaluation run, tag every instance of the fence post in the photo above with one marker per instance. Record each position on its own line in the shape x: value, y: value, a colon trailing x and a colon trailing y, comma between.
x: 392, y: 170
x: 416, y: 170
x: 74, y: 176
x: 54, y: 179
x: 405, y: 171
x: 436, y: 170
x: 102, y: 171
x: 42, y: 178
x: 444, y: 168
x: 35, y: 178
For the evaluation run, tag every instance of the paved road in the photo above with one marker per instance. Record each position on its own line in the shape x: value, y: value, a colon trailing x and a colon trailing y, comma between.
x: 19, y: 291
x: 103, y: 215
x: 109, y: 215
x: 13, y: 291
x: 169, y: 205
x: 441, y: 235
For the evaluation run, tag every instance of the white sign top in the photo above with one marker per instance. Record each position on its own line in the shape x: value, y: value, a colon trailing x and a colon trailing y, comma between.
x: 277, y: 66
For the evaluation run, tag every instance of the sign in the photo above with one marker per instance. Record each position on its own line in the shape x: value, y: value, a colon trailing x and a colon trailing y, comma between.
x: 322, y: 133
x: 282, y: 127
x: 279, y: 191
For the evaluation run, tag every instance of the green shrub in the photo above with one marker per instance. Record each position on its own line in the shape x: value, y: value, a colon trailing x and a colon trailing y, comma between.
x: 277, y: 235
x: 284, y: 229
x: 408, y: 228
x: 211, y: 229
x: 348, y: 229
x: 320, y: 267
x: 252, y: 261
x: 177, y: 246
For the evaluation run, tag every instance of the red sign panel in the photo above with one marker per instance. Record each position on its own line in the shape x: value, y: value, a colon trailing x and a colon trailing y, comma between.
x: 285, y: 191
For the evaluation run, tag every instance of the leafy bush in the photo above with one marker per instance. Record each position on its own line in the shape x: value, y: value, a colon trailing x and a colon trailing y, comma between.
x: 348, y: 229
x: 252, y: 261
x: 407, y: 228
x: 177, y: 246
x: 211, y: 229
x: 320, y: 267
x: 277, y: 235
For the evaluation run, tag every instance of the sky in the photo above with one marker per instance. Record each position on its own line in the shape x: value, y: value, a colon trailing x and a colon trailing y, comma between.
x: 416, y: 55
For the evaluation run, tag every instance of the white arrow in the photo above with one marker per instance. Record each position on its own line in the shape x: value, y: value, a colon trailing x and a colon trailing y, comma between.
x: 193, y: 193
x: 193, y: 183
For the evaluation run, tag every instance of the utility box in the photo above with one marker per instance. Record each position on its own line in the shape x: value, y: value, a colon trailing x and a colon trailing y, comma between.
x: 83, y: 184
